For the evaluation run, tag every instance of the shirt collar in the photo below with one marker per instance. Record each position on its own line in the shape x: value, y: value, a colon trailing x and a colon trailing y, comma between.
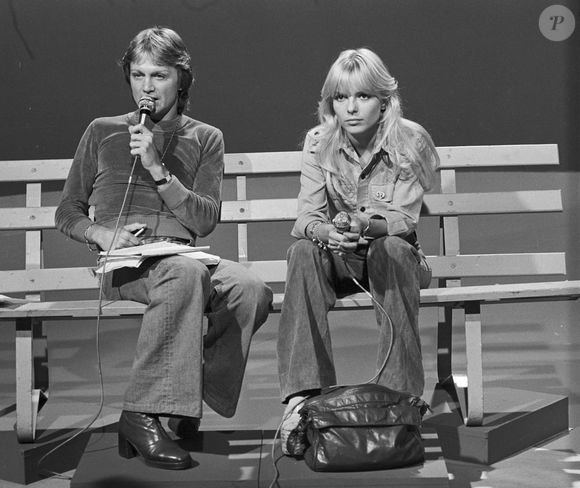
x: 346, y: 147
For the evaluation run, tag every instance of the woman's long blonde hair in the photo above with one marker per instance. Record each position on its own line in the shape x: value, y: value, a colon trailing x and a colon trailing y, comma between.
x: 361, y: 70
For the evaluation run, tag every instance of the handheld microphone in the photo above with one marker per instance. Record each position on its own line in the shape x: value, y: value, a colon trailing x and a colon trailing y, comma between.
x: 342, y: 222
x: 146, y: 106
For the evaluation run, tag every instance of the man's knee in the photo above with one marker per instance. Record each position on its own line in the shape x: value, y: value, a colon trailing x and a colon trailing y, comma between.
x: 188, y: 272
x: 246, y: 286
x: 253, y: 285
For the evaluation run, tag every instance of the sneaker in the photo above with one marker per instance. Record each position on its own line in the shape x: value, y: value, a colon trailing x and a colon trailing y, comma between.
x: 292, y: 434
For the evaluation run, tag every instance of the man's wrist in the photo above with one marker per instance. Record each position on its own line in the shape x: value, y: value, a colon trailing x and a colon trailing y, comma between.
x: 160, y: 175
x: 88, y: 236
x: 164, y: 180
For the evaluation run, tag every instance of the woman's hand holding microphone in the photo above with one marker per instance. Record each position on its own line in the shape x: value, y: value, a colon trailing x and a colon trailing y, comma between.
x: 346, y: 236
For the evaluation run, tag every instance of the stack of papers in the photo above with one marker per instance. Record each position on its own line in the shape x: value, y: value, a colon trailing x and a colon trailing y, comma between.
x: 132, y: 257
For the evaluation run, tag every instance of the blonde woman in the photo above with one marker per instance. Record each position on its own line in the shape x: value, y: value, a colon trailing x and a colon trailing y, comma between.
x: 364, y: 159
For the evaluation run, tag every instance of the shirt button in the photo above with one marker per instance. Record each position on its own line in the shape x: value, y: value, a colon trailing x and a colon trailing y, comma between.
x: 380, y: 195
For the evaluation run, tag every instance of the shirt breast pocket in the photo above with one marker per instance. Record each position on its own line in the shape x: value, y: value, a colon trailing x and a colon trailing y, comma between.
x: 382, y: 193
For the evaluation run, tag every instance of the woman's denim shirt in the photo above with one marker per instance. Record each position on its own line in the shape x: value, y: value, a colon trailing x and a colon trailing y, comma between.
x: 384, y: 189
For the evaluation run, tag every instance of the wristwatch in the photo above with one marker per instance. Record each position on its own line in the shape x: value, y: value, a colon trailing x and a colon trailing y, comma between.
x: 162, y: 181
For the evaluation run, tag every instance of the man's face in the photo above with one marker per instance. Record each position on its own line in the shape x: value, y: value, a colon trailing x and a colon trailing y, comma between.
x: 158, y: 82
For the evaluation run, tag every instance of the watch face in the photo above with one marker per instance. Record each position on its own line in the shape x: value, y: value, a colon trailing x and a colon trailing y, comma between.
x: 162, y: 181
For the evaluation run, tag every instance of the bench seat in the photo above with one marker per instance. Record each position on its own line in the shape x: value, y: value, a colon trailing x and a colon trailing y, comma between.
x: 432, y: 297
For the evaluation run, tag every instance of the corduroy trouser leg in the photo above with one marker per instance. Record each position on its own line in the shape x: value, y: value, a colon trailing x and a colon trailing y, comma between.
x: 315, y: 279
x: 175, y: 365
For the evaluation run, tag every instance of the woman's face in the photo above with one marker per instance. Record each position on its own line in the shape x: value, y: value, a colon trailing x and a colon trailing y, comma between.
x: 158, y: 82
x: 358, y: 114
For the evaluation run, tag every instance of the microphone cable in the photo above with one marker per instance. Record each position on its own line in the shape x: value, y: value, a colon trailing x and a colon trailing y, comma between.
x: 98, y: 321
x: 374, y: 379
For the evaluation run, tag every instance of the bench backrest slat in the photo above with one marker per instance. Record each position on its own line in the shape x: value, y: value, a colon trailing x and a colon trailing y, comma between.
x: 35, y: 170
x: 501, y: 155
x: 531, y: 201
x: 449, y: 267
x: 27, y: 218
x: 464, y: 266
x: 289, y: 161
x: 283, y: 209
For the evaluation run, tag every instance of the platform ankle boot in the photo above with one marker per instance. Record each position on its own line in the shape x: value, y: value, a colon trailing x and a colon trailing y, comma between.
x: 142, y: 434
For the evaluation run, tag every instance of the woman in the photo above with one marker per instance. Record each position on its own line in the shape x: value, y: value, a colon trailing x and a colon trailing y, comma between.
x: 364, y: 159
x: 162, y: 177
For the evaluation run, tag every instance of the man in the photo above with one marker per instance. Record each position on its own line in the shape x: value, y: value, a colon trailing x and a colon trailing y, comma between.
x: 162, y: 179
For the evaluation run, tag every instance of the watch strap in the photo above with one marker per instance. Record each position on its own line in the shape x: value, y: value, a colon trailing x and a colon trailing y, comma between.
x: 162, y: 181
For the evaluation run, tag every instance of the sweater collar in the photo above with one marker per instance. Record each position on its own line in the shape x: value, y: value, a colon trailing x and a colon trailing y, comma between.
x: 162, y: 125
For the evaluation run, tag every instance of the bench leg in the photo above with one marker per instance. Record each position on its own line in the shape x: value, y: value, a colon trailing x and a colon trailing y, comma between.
x: 31, y: 376
x: 445, y: 338
x: 474, y: 358
x: 444, y: 345
x: 454, y: 384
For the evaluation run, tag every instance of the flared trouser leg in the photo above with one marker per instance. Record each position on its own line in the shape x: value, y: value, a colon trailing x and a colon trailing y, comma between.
x: 304, y: 345
x: 168, y: 374
x: 393, y: 273
x: 239, y: 304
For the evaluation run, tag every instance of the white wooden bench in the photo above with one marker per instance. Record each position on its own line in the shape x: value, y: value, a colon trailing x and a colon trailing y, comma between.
x: 450, y: 266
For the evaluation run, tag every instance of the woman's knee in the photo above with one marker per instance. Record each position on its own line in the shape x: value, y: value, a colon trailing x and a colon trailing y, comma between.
x: 394, y: 247
x: 302, y: 252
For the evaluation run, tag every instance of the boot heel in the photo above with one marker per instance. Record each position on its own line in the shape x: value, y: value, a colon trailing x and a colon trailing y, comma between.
x: 126, y: 450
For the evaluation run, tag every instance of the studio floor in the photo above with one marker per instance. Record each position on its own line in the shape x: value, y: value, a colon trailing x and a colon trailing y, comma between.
x: 530, y: 347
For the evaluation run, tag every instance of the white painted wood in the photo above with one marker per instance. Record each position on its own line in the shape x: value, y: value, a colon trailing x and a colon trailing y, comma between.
x: 27, y: 218
x: 241, y: 194
x: 263, y: 163
x: 272, y: 271
x: 500, y: 155
x: 34, y: 170
x: 504, y: 292
x: 474, y: 357
x: 26, y: 406
x: 289, y: 161
x: 284, y: 209
x: 270, y: 209
x: 485, y: 203
x: 456, y: 297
